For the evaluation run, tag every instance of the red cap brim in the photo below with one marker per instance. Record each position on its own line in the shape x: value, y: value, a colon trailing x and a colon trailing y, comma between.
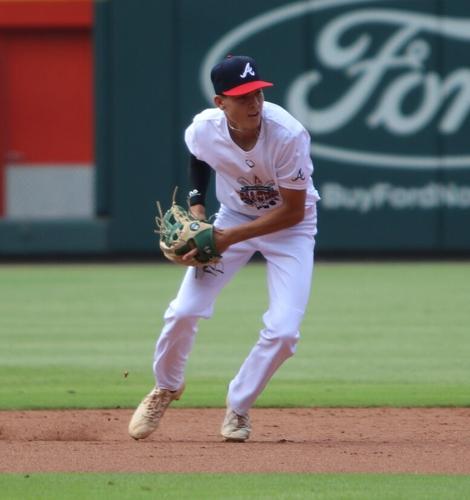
x: 246, y: 88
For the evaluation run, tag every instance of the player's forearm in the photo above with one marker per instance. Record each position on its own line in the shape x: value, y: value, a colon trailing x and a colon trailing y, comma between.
x: 270, y: 222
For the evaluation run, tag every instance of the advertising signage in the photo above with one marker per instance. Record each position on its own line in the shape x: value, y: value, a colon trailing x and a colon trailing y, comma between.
x: 384, y: 89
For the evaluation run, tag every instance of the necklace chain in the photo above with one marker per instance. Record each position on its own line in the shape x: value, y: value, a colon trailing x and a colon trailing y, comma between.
x: 235, y: 129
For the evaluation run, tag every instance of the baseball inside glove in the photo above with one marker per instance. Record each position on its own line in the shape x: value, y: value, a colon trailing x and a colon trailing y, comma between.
x: 181, y: 232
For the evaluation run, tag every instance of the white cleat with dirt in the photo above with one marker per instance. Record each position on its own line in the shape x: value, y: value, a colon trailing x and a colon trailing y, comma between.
x: 235, y: 427
x: 148, y: 414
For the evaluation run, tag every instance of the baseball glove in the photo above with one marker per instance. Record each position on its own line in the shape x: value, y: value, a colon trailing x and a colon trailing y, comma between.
x: 181, y: 232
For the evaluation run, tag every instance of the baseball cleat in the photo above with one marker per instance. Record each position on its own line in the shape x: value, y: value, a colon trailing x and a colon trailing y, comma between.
x: 235, y: 427
x: 148, y: 414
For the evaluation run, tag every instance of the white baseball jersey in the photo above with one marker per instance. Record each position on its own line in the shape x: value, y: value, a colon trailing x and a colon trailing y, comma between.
x: 248, y: 181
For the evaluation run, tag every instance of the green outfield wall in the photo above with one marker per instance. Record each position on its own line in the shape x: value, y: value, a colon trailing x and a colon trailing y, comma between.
x: 383, y: 87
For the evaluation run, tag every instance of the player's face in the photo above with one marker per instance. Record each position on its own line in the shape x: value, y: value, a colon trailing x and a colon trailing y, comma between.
x: 244, y: 111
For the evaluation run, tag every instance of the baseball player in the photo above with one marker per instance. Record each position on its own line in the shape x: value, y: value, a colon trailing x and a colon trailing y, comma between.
x: 261, y: 158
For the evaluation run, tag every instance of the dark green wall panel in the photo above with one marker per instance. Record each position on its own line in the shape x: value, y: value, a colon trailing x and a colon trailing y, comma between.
x: 61, y: 237
x: 142, y: 87
x: 381, y: 160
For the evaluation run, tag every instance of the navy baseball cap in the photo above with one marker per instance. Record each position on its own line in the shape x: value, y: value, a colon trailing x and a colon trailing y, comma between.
x: 237, y: 75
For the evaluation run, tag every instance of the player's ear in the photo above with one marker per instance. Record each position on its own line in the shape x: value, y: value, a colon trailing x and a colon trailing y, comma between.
x: 219, y: 102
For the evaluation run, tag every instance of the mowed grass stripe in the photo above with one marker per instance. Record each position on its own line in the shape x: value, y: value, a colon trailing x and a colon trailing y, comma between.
x: 374, y: 334
x: 234, y: 486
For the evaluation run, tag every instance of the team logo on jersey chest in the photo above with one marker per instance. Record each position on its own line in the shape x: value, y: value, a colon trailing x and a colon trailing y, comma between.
x: 257, y: 193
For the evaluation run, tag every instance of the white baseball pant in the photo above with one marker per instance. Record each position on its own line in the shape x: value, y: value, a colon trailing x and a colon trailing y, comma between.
x: 289, y: 260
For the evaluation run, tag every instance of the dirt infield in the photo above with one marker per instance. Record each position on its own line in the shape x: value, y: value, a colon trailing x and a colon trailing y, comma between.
x: 283, y: 440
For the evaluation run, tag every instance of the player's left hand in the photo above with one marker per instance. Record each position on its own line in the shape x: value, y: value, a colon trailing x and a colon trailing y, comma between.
x: 184, y: 239
x: 198, y: 211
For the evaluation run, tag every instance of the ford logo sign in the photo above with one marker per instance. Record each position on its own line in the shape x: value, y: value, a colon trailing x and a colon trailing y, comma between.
x: 385, y: 84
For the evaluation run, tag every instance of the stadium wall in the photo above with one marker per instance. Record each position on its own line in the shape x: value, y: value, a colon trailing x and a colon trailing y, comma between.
x: 383, y: 86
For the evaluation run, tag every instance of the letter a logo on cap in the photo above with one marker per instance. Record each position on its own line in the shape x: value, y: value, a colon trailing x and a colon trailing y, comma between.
x: 248, y: 70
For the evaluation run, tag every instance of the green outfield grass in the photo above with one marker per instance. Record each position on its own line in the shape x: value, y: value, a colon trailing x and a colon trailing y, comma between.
x: 374, y: 334
x: 232, y: 487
